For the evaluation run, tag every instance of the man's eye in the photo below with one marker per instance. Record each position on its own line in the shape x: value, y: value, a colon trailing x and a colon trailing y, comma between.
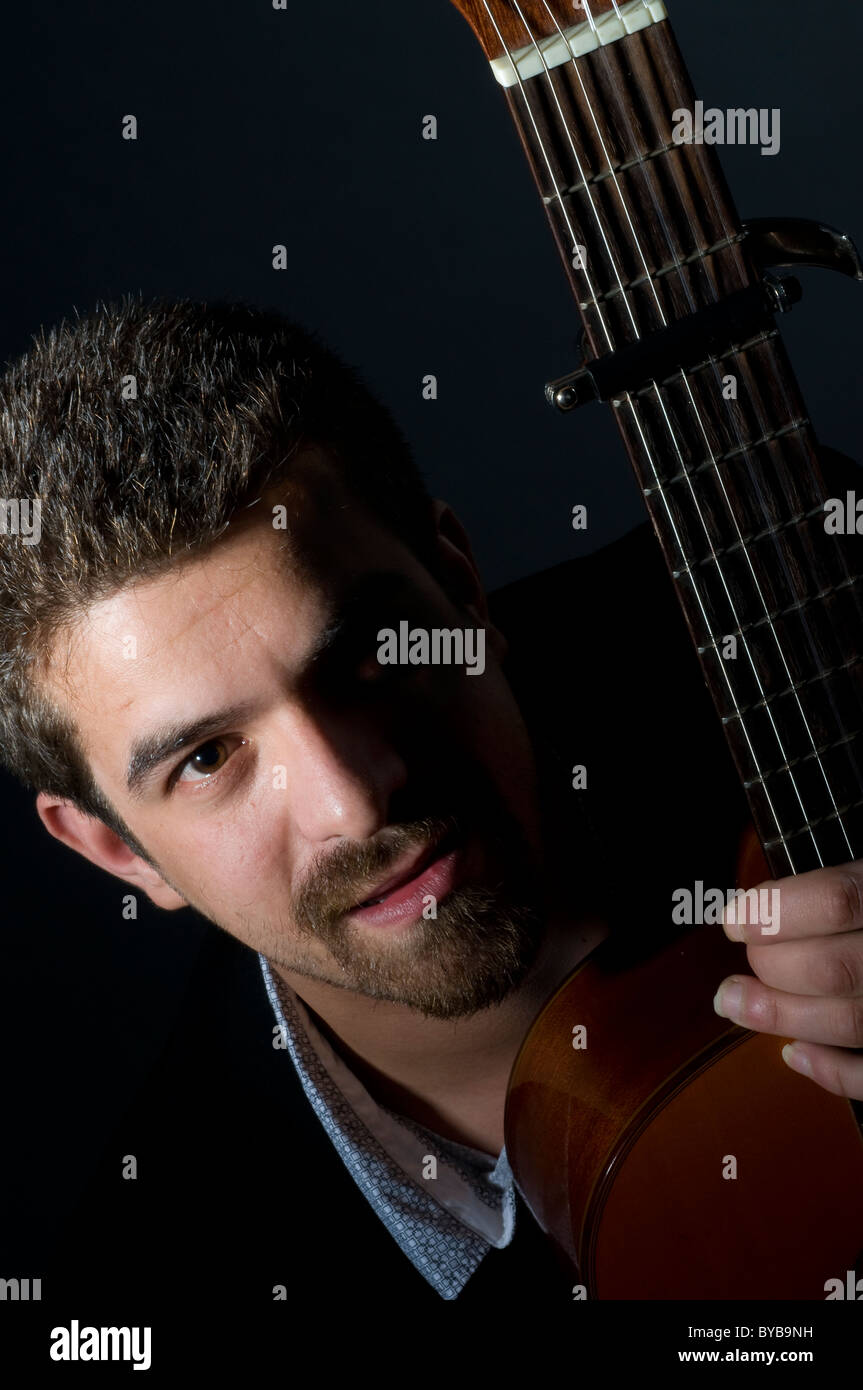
x: 367, y: 662
x: 206, y: 760
x: 357, y: 659
x: 368, y: 668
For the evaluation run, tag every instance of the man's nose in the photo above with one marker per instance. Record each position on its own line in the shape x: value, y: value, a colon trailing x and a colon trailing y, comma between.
x: 341, y: 777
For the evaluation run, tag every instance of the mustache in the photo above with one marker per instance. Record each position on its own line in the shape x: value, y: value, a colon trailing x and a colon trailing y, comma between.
x: 342, y: 878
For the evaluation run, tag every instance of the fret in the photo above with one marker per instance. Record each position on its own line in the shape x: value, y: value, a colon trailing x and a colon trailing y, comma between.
x: 763, y: 670
x: 738, y: 452
x: 795, y: 764
x: 674, y: 268
x: 608, y: 173
x: 743, y: 489
x: 840, y: 812
x: 827, y: 703
x: 808, y: 795
x: 766, y: 718
x: 818, y: 778
x: 804, y: 684
x: 814, y: 602
x: 828, y: 844
x: 745, y: 543
x: 771, y: 573
x: 776, y: 736
x: 798, y: 750
x: 692, y: 373
x: 800, y: 715
x: 760, y: 673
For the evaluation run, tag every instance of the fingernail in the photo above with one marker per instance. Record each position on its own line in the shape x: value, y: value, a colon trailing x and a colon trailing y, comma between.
x: 733, y: 930
x: 728, y: 1001
x: 796, y: 1059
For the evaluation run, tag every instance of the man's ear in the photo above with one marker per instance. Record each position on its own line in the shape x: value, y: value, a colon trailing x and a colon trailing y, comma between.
x: 102, y: 846
x: 458, y: 573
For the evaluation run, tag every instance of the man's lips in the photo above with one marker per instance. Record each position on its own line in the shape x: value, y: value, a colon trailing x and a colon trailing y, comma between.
x: 411, y: 864
x: 402, y: 896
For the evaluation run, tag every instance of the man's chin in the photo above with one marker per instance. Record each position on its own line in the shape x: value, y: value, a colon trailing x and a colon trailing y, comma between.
x: 471, y: 956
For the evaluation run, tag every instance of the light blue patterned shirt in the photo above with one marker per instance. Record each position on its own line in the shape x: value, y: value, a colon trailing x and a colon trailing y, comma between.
x: 445, y: 1205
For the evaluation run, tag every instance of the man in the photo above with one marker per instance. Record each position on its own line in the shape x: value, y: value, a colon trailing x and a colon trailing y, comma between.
x: 219, y: 676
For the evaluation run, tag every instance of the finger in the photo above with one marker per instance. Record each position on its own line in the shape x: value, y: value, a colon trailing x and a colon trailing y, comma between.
x: 744, y: 1000
x: 822, y: 902
x: 832, y: 1068
x: 831, y: 965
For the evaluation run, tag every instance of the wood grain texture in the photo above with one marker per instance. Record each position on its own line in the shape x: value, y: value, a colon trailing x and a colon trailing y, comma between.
x: 516, y: 32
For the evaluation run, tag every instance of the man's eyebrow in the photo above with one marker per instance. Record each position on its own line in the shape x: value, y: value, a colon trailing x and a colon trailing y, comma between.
x: 151, y: 750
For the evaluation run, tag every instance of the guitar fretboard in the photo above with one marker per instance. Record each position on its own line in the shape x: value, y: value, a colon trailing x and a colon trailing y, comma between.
x: 725, y: 454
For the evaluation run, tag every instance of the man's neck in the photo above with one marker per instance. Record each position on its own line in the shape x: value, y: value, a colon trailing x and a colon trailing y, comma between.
x: 450, y: 1076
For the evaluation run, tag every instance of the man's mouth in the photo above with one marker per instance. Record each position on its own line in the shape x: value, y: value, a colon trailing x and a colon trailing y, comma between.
x: 411, y: 865
x: 415, y: 886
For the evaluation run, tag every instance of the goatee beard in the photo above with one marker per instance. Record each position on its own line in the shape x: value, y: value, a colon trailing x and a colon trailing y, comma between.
x: 470, y: 957
x: 480, y: 946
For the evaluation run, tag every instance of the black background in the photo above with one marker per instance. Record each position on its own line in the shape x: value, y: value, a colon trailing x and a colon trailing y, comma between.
x: 303, y: 127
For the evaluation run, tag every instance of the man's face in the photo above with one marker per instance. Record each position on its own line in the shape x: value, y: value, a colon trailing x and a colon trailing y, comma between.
x: 324, y: 779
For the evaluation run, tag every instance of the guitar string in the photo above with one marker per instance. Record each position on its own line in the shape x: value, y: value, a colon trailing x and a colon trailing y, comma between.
x: 744, y: 448
x: 670, y: 428
x: 637, y: 423
x: 745, y: 451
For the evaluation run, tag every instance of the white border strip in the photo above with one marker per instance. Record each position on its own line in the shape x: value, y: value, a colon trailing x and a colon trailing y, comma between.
x: 580, y: 38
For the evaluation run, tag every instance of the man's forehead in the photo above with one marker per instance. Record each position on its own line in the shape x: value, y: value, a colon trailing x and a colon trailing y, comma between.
x: 163, y: 610
x: 294, y: 538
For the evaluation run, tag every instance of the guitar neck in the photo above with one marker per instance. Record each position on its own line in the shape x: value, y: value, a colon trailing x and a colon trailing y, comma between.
x: 724, y: 452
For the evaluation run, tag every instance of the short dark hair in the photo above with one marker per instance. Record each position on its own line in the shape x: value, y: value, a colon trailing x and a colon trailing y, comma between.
x: 133, y: 476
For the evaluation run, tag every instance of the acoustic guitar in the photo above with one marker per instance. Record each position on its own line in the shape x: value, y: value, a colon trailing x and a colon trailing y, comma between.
x: 675, y: 1155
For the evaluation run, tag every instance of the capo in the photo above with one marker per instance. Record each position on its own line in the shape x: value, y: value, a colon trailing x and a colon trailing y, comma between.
x: 774, y: 242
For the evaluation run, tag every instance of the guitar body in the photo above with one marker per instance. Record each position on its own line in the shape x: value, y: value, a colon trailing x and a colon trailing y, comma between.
x: 675, y: 1155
